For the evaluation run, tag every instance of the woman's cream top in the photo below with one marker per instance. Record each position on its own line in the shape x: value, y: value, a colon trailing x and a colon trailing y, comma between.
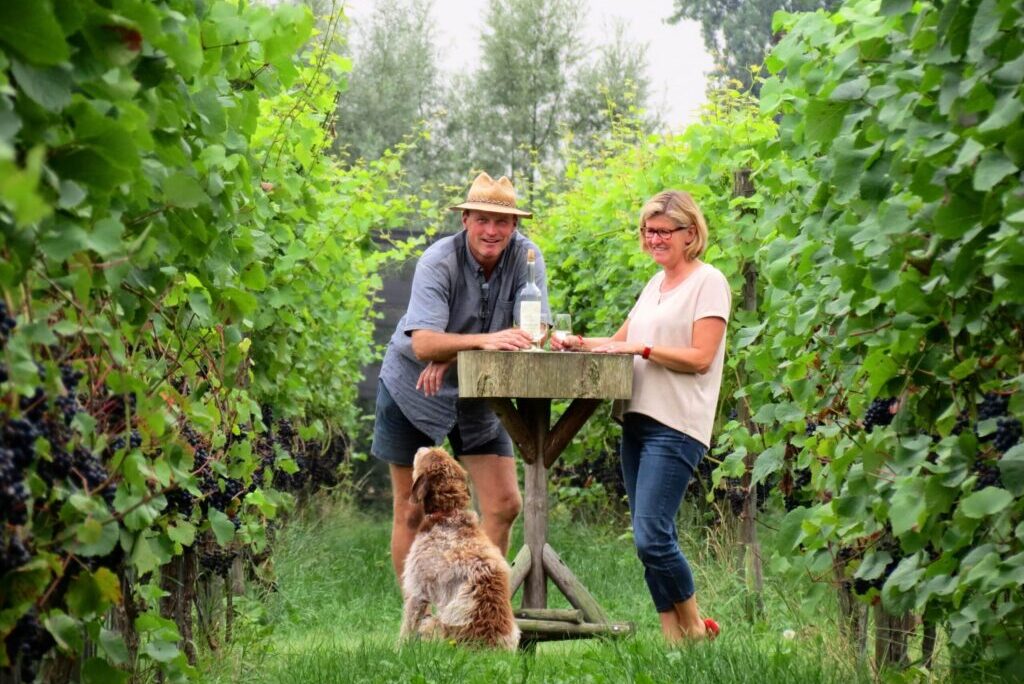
x: 683, y: 401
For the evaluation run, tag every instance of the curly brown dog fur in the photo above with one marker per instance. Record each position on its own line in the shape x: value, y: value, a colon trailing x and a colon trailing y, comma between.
x: 453, y: 565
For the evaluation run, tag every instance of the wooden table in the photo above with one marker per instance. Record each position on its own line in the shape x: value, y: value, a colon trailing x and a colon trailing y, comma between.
x: 532, y: 380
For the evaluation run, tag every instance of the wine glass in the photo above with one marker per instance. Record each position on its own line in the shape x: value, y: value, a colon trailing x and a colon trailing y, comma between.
x: 562, y: 328
x: 538, y: 336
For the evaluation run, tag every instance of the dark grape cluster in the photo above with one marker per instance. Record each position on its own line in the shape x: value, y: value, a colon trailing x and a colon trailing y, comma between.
x: 793, y: 488
x: 845, y: 554
x: 285, y: 431
x: 14, y: 494
x: 988, y: 474
x: 811, y: 427
x: 879, y: 414
x: 70, y: 377
x: 603, y: 469
x: 323, y: 464
x: 57, y: 468
x: 993, y: 405
x: 217, y: 560
x: 68, y: 406
x: 218, y: 498
x: 736, y: 494
x: 13, y: 553
x: 1008, y: 431
x: 963, y: 421
x: 31, y: 641
x: 180, y: 500
x: 7, y: 324
x: 92, y: 473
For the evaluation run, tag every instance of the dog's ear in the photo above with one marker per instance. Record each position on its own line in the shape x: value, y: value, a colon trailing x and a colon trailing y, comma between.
x: 420, y: 486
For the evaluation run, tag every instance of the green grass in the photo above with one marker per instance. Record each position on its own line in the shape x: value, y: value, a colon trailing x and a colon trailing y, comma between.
x: 335, y: 614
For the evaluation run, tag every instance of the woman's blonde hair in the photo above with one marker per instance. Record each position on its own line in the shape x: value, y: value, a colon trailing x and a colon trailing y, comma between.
x: 680, y: 208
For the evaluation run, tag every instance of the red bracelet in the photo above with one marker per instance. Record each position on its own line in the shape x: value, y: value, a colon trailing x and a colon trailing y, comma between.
x: 646, y: 352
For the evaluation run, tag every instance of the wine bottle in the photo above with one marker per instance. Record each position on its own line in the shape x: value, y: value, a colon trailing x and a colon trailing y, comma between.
x: 529, y: 302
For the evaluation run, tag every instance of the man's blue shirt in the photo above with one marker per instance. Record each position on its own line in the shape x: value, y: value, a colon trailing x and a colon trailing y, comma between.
x: 449, y: 294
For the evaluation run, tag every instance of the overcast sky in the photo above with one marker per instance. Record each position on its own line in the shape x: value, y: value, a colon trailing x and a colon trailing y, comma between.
x: 677, y: 60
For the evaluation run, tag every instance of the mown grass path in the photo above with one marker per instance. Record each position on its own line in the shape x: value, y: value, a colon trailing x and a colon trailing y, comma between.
x: 335, y: 615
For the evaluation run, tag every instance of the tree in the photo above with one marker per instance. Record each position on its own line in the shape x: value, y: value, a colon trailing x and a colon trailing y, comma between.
x: 738, y: 33
x: 530, y: 51
x: 394, y: 84
x: 612, y: 87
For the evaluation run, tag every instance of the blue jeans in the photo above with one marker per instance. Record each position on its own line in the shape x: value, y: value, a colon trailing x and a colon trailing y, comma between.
x: 657, y: 464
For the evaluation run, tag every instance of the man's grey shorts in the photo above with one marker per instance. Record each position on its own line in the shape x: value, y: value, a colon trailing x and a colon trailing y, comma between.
x: 395, y: 439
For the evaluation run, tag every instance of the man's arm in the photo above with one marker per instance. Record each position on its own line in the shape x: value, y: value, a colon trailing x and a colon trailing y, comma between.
x: 430, y: 345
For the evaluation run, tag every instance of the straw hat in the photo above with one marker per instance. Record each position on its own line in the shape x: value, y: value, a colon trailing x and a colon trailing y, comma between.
x: 487, y: 194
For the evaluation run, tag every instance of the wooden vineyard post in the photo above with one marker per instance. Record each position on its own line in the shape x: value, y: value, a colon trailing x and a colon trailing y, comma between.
x: 927, y: 643
x: 750, y: 546
x: 178, y: 579
x: 853, y: 615
x: 891, y: 636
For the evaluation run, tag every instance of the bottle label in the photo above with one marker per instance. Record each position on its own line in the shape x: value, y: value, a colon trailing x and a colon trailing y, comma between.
x: 529, y: 317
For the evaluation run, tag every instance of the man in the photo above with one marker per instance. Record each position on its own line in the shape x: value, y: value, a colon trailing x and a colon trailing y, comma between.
x: 464, y: 293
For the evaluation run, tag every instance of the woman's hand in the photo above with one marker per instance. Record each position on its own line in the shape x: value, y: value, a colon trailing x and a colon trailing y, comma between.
x: 568, y: 343
x: 619, y: 347
x: 432, y: 377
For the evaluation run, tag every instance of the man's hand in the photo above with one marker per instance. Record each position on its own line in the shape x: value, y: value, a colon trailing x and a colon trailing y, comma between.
x: 432, y: 377
x: 510, y: 339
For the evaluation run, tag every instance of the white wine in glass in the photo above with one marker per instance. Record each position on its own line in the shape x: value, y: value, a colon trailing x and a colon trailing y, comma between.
x: 562, y: 328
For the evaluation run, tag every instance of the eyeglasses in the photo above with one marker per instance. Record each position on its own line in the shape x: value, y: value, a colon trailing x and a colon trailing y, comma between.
x: 663, y: 233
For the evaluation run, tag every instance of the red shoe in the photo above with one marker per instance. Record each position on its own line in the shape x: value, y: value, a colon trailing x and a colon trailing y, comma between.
x: 712, y: 628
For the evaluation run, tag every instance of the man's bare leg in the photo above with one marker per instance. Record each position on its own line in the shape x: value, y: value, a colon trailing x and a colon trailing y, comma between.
x: 497, y: 492
x: 406, y: 517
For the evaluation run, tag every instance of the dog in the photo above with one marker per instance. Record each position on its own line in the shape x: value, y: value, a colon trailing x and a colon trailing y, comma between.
x: 452, y: 565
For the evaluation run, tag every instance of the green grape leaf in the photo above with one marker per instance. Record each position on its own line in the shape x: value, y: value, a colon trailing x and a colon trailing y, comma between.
x: 768, y: 461
x: 908, y: 508
x: 113, y: 646
x: 184, y: 191
x: 850, y: 90
x: 95, y: 539
x: 988, y: 501
x: 1007, y: 112
x: 1011, y: 469
x: 182, y: 532
x: 30, y: 29
x: 66, y: 630
x: 49, y: 87
x: 99, y: 671
x: 992, y: 168
x: 223, y: 528
x: 823, y: 120
x: 162, y: 651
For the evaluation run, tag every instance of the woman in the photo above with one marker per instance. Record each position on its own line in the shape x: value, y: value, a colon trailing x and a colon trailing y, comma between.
x: 676, y: 332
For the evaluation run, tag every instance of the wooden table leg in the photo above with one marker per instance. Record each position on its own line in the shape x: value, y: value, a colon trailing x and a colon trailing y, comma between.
x: 535, y: 510
x: 528, y: 421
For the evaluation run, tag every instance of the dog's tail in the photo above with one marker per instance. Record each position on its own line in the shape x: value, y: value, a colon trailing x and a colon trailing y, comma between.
x: 492, y: 623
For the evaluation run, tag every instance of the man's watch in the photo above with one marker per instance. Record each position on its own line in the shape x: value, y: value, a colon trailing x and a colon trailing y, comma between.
x: 646, y: 353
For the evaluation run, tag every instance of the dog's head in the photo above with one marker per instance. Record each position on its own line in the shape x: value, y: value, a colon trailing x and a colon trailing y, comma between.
x: 438, y: 481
